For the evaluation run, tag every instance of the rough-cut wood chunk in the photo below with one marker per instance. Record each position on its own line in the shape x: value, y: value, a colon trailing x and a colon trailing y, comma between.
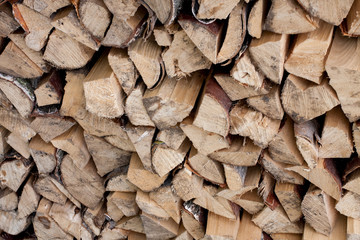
x: 356, y: 135
x: 147, y: 59
x: 165, y: 159
x: 338, y: 233
x: 125, y: 202
x: 105, y: 156
x: 131, y: 223
x: 149, y: 206
x: 336, y: 138
x: 18, y: 144
x: 183, y: 234
x: 193, y: 218
x: 210, y: 9
x: 13, y: 122
x: 123, y: 8
x: 248, y: 230
x: 158, y: 228
x: 352, y: 183
x: 7, y: 22
x: 319, y: 210
x: 290, y: 198
x: 325, y: 176
x: 4, y: 146
x: 162, y: 36
x: 288, y: 17
x: 307, y: 58
x: 19, y: 92
x: 307, y: 135
x: 44, y: 226
x: 66, y: 53
x: 49, y: 90
x: 257, y: 18
x: 172, y: 100
x: 204, y: 141
x: 72, y: 142
x: 250, y: 201
x: 46, y: 188
x: 342, y: 64
x: 36, y: 25
x: 95, y: 16
x: 4, y: 102
x: 349, y: 205
x: 283, y: 147
x: 213, y: 112
x: 67, y: 21
x: 222, y: 227
x: 140, y: 177
x: 304, y: 100
x: 269, y: 104
x: 113, y: 211
x: 333, y: 11
x: 173, y: 137
x: 353, y: 229
x: 235, y: 176
x: 84, y: 184
x: 8, y: 200
x: 352, y: 20
x: 183, y: 57
x: 268, y: 54
x: 95, y: 218
x: 187, y: 185
x: 166, y: 11
x: 110, y: 232
x: 29, y: 199
x: 118, y: 181
x: 14, y: 172
x: 11, y: 223
x: 250, y: 123
x: 242, y: 152
x: 123, y: 68
x: 207, y: 168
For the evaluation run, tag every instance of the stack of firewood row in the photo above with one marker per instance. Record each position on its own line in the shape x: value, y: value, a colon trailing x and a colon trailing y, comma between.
x: 180, y: 119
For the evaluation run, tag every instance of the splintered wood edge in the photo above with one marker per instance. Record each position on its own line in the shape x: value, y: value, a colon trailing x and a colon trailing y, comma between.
x: 213, y: 89
x: 19, y: 18
x: 329, y: 166
x: 22, y: 84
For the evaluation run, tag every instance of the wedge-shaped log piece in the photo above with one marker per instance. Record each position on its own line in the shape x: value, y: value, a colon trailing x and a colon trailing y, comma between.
x: 147, y: 59
x: 288, y: 17
x: 61, y: 188
x: 222, y: 227
x: 210, y: 9
x: 44, y: 226
x: 132, y: 224
x: 352, y: 176
x: 105, y: 156
x: 183, y: 57
x: 290, y: 198
x: 250, y: 201
x: 166, y: 11
x: 113, y: 211
x: 67, y: 21
x: 46, y: 188
x: 308, y: 55
x: 333, y: 11
x: 319, y: 210
x: 8, y: 200
x: 183, y: 234
x: 172, y: 100
x: 158, y: 228
x: 162, y: 36
x: 49, y: 90
x: 187, y: 185
x: 13, y: 122
x: 11, y: 223
x: 242, y: 152
x: 117, y: 181
x: 253, y: 124
x: 303, y: 100
x: 325, y: 176
x: 84, y: 184
x: 193, y: 218
x: 352, y: 20
x: 336, y: 134
x: 18, y: 144
x: 283, y: 147
x: 111, y: 232
x: 122, y: 9
x: 173, y: 137
x: 142, y: 178
x: 349, y: 205
x: 353, y: 229
x: 235, y: 176
x: 269, y: 104
x: 29, y: 199
x: 204, y: 141
x: 4, y: 146
x: 125, y: 202
x: 338, y: 233
x: 287, y: 236
x: 95, y: 218
x: 248, y: 230
x: 72, y: 141
x: 149, y: 206
x: 268, y: 54
x: 307, y: 136
x: 5, y: 102
x: 14, y: 172
x: 66, y: 53
x: 45, y: 7
x: 7, y: 24
x: 257, y: 18
x: 123, y: 68
x: 342, y: 64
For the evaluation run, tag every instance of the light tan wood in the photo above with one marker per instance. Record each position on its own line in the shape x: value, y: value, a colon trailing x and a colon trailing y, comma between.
x: 235, y: 176
x: 286, y: 236
x: 183, y: 57
x: 8, y: 200
x: 304, y: 100
x: 84, y: 184
x: 248, y: 230
x: 125, y: 202
x: 46, y: 188
x: 356, y: 135
x: 193, y: 218
x: 253, y: 124
x: 266, y: 189
x: 353, y: 226
x: 157, y: 228
x: 349, y: 205
x: 50, y: 90
x: 12, y: 121
x: 149, y: 206
x: 4, y: 102
x: 4, y: 146
x: 290, y: 198
x: 187, y: 185
x: 117, y: 181
x: 210, y: 9
x: 330, y: 11
x: 172, y: 137
x: 18, y: 144
x: 183, y: 234
x: 166, y: 11
x: 162, y: 36
x: 14, y: 172
x: 131, y: 223
x: 219, y: 227
x: 308, y: 55
x: 29, y: 199
x: 61, y: 187
x: 11, y: 223
x: 250, y: 201
x: 288, y: 17
x: 173, y: 99
x: 352, y: 20
x: 113, y: 212
x: 352, y: 183
x: 122, y: 9
x: 45, y: 7
x: 257, y: 18
x: 66, y: 53
x: 113, y: 233
x: 7, y: 24
x: 268, y: 54
x: 319, y: 210
x: 95, y: 218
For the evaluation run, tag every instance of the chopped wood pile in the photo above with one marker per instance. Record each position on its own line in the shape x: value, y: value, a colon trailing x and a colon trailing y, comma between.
x: 180, y: 119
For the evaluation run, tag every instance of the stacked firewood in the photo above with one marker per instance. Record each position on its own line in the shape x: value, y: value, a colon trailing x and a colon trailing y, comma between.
x: 179, y: 119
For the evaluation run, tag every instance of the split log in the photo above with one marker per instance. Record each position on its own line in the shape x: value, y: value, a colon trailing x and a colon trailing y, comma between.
x: 253, y: 124
x: 336, y: 134
x: 4, y: 146
x: 248, y: 230
x: 287, y: 17
x: 307, y: 136
x: 187, y: 185
x: 319, y: 210
x: 352, y: 176
x: 257, y: 18
x: 303, y: 100
x: 250, y: 201
x: 140, y: 177
x: 173, y: 137
x: 353, y: 226
x: 8, y: 200
x: 210, y: 9
x: 122, y: 9
x: 183, y: 57
x: 4, y: 102
x: 157, y: 228
x: 7, y: 24
x: 14, y: 172
x: 332, y: 12
x: 235, y: 176
x: 123, y: 68
x: 162, y: 36
x: 19, y: 145
x: 172, y: 100
x: 183, y: 234
x: 46, y: 188
x: 193, y: 218
x: 290, y: 198
x: 114, y: 233
x: 341, y: 64
x: 12, y: 224
x: 308, y: 55
x: 349, y: 205
x: 166, y: 11
x: 222, y: 227
x: 95, y: 218
x: 95, y: 16
x: 66, y: 53
x: 49, y: 90
x: 149, y: 206
x: 29, y: 199
x: 45, y: 7
x: 351, y: 22
x: 132, y: 224
x: 113, y: 212
x: 118, y: 181
x: 338, y: 233
x: 84, y: 184
x: 283, y: 147
x: 268, y: 54
x: 125, y: 202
